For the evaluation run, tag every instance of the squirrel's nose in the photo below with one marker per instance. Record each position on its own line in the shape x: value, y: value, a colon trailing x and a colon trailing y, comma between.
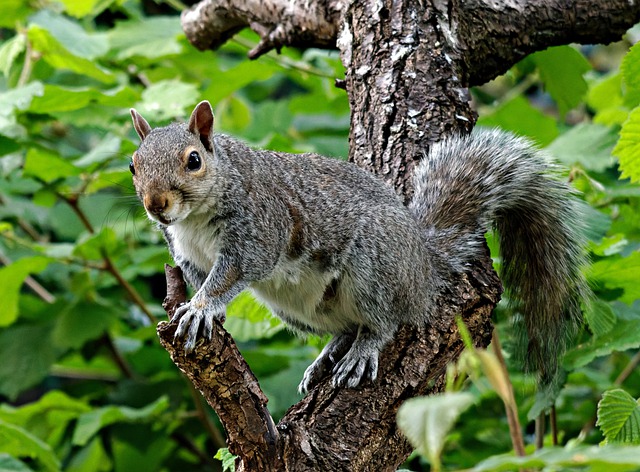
x: 156, y: 204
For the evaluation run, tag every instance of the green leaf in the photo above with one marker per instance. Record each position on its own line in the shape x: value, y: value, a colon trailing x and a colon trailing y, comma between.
x: 80, y: 8
x: 58, y: 99
x: 11, y: 279
x: 519, y: 116
x: 228, y: 460
x: 167, y: 100
x: 73, y: 37
x: 19, y: 98
x: 10, y: 50
x: 48, y: 417
x: 619, y: 417
x: 600, y: 317
x: 19, y: 355
x: 236, y: 78
x: 610, y: 245
x: 426, y: 421
x: 587, y: 143
x: 561, y: 69
x: 153, y: 38
x: 59, y: 57
x: 247, y: 319
x: 608, y: 458
x: 81, y: 322
x: 618, y: 272
x: 630, y: 69
x: 11, y: 464
x: 90, y: 423
x: 47, y: 166
x: 20, y: 443
x: 102, y: 152
x: 14, y: 12
x: 628, y: 147
x: 95, y: 246
x: 625, y: 334
x: 91, y: 458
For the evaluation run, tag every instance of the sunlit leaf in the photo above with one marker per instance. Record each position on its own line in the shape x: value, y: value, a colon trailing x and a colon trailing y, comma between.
x: 60, y: 57
x: 426, y: 421
x: 619, y: 272
x: 152, y: 38
x: 561, y: 69
x: 48, y: 166
x: 619, y: 417
x: 9, y: 51
x: 630, y: 69
x: 21, y: 443
x: 11, y: 278
x: 167, y: 100
x: 71, y: 35
x: 628, y: 147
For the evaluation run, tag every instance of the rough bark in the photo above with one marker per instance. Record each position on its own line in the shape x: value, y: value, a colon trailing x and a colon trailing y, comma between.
x: 407, y: 68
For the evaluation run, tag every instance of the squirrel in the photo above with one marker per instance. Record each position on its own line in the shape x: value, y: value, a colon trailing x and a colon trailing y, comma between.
x: 330, y: 248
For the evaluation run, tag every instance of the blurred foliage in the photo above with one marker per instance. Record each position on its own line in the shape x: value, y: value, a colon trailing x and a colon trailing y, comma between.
x: 84, y: 384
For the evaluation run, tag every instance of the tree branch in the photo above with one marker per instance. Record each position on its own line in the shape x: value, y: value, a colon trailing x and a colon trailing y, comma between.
x: 223, y: 377
x: 303, y: 23
x: 489, y: 37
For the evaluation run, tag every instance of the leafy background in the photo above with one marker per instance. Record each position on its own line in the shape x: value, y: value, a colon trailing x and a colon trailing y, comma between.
x: 84, y: 384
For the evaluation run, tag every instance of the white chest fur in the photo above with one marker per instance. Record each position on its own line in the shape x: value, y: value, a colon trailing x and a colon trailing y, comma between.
x: 196, y: 243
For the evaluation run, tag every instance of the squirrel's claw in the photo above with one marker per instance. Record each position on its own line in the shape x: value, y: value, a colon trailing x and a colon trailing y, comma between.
x: 355, y: 368
x: 195, y: 323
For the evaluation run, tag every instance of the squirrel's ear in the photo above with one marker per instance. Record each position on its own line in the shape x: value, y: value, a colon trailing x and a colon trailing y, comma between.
x: 201, y: 123
x: 140, y: 124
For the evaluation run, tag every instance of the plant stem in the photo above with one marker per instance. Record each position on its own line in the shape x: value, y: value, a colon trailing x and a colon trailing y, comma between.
x: 109, y: 266
x: 553, y: 418
x: 512, y: 414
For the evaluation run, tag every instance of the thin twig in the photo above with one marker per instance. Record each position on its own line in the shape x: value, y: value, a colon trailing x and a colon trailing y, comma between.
x: 27, y: 67
x: 628, y: 370
x: 120, y: 361
x: 109, y: 266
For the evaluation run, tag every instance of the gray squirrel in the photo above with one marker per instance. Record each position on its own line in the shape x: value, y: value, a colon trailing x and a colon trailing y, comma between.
x: 329, y: 248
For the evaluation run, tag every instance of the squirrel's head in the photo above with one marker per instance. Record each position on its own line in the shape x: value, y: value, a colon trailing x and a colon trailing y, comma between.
x: 174, y: 168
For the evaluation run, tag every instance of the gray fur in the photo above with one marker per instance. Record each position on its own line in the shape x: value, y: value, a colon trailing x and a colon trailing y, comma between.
x: 330, y: 249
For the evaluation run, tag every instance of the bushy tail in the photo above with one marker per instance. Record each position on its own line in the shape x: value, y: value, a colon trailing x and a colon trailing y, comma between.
x: 492, y: 179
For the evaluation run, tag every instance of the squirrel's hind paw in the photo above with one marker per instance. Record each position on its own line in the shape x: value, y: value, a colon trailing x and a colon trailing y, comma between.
x: 332, y: 353
x: 357, y: 366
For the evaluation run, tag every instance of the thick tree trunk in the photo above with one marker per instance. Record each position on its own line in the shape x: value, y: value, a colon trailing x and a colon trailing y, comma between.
x: 407, y: 68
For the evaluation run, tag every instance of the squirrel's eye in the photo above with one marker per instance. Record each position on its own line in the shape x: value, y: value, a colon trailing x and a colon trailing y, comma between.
x: 132, y: 168
x: 194, y: 161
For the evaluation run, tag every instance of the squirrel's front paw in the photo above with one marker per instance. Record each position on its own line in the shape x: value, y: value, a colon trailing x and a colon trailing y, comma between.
x: 196, y: 318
